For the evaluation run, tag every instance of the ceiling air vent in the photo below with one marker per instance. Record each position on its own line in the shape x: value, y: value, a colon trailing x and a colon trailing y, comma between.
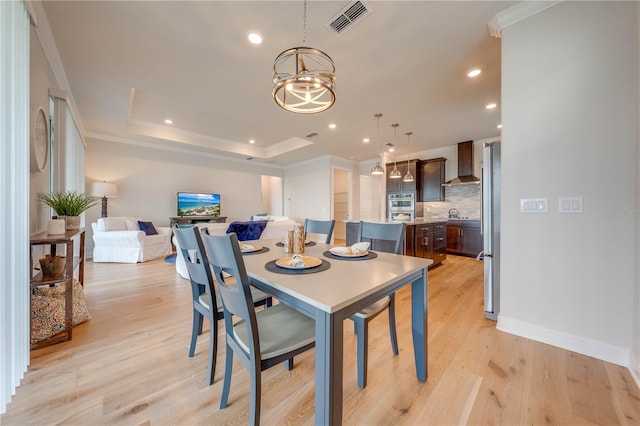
x: 347, y: 17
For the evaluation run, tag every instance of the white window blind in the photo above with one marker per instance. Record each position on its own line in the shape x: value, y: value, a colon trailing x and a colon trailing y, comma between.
x: 14, y: 197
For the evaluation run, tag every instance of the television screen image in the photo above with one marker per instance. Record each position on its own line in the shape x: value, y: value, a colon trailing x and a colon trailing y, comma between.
x: 198, y: 204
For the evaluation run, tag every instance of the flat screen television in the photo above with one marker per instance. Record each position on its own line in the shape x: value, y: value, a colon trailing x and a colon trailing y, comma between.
x: 198, y: 204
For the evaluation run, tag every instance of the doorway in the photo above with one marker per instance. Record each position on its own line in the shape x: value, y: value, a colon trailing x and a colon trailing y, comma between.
x: 341, y: 202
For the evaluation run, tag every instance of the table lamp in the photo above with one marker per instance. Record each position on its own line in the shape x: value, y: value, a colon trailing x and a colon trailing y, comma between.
x: 105, y: 190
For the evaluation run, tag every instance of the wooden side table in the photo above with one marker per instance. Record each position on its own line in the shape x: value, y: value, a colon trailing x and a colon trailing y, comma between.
x: 67, y: 277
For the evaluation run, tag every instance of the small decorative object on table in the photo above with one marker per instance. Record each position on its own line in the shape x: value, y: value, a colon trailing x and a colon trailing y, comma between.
x: 298, y: 239
x: 69, y: 204
x: 288, y: 242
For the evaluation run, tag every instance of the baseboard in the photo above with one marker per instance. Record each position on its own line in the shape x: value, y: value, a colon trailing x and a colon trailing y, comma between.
x: 634, y: 368
x: 610, y: 353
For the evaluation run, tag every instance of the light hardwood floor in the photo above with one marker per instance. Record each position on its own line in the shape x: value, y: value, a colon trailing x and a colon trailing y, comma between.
x: 129, y: 366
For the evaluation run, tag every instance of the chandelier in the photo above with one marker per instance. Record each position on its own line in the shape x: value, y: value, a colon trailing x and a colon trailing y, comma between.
x: 395, y: 173
x: 304, y: 78
x: 377, y: 169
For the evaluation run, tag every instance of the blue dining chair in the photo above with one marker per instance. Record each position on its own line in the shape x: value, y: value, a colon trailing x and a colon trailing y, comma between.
x: 260, y: 339
x: 388, y: 237
x: 319, y: 227
x: 206, y: 301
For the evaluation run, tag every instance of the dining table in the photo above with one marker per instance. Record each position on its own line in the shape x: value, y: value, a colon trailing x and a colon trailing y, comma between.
x: 330, y: 292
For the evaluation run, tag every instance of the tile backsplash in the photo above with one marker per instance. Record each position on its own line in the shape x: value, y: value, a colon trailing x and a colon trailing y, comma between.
x: 465, y: 198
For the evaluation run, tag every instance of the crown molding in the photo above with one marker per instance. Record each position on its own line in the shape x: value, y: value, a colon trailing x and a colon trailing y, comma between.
x: 517, y: 13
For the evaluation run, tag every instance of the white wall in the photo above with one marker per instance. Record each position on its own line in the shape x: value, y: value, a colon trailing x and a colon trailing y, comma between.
x: 635, y: 352
x: 569, y: 111
x: 41, y: 79
x: 148, y: 180
x: 307, y: 190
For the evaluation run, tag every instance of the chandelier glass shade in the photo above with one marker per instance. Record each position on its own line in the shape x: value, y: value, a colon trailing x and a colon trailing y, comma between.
x: 408, y: 177
x: 304, y: 78
x: 377, y: 169
x: 395, y: 173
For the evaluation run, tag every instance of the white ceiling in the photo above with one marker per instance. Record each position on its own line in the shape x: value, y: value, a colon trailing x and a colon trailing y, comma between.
x: 130, y: 65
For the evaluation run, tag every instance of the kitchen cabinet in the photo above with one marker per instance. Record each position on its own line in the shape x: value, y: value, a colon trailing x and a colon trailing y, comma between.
x: 432, y: 174
x: 430, y: 241
x: 464, y: 237
x: 394, y: 185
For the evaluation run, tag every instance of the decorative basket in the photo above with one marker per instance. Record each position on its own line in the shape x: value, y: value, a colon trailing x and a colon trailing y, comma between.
x: 52, y: 266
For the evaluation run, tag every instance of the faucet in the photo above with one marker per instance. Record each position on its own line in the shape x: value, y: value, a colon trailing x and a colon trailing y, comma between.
x: 453, y: 214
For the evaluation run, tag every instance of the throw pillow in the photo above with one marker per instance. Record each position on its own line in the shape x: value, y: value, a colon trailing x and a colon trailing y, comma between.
x: 147, y: 227
x: 111, y: 224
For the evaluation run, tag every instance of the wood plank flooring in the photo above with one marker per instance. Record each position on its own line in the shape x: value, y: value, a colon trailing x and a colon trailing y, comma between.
x: 128, y: 365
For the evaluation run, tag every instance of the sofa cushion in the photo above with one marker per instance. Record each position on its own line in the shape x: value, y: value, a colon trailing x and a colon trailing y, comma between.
x: 112, y: 224
x: 147, y: 227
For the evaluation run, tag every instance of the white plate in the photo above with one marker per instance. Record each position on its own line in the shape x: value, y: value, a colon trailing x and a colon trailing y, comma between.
x: 346, y: 252
x: 309, y: 262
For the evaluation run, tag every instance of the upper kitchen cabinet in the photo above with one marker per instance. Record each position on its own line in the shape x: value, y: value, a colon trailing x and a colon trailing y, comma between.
x: 432, y: 177
x: 395, y: 185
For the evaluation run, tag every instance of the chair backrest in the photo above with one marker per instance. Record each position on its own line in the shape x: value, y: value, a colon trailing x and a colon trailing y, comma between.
x: 195, y: 258
x: 319, y: 227
x: 233, y: 283
x: 394, y: 232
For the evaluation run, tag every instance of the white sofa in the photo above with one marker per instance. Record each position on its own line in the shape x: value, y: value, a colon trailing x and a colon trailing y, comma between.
x: 276, y: 228
x: 119, y: 239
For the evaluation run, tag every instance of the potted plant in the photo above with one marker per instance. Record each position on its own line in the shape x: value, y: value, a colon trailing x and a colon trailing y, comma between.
x: 68, y: 204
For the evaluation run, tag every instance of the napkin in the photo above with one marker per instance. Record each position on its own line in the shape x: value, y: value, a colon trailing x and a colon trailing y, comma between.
x: 296, y: 261
x: 246, y: 247
x: 359, y: 247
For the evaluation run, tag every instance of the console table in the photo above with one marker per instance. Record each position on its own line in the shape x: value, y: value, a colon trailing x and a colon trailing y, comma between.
x: 186, y: 220
x: 67, y: 276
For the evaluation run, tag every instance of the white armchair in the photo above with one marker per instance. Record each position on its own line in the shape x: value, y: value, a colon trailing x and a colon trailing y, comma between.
x: 119, y: 239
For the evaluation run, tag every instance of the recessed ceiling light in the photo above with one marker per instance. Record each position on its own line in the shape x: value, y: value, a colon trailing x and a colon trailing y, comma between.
x: 474, y: 72
x: 491, y: 106
x: 252, y: 141
x: 168, y: 121
x: 255, y: 38
x: 391, y: 149
x: 366, y: 140
x: 499, y: 126
x: 332, y: 125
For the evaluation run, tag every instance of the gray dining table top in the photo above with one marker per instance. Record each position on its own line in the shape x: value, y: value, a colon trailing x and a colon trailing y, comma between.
x: 345, y: 282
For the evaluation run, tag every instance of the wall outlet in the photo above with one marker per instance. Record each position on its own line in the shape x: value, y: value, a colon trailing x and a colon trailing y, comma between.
x: 534, y: 205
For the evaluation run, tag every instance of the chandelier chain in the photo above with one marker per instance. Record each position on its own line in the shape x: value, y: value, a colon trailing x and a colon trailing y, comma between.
x: 304, y: 38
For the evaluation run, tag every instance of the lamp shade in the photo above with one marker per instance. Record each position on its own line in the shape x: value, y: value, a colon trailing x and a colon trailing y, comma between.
x: 104, y: 189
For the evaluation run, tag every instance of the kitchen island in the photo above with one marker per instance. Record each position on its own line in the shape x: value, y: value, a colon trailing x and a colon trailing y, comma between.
x: 425, y: 237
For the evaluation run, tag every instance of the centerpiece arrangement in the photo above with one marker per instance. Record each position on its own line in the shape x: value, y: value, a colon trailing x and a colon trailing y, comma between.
x: 68, y: 205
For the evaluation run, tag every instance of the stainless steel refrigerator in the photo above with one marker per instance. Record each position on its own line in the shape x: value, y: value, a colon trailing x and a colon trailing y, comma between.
x: 491, y: 228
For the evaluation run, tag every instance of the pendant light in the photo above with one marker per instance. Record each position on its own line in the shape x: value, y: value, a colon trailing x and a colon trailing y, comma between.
x: 304, y: 78
x: 377, y: 169
x: 395, y: 173
x: 408, y: 177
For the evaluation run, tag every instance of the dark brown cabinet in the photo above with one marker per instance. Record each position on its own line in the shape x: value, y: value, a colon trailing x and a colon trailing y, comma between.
x: 431, y: 241
x: 432, y: 174
x: 464, y: 237
x: 394, y: 185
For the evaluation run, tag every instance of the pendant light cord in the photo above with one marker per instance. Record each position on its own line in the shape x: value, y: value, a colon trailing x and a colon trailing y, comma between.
x: 304, y: 37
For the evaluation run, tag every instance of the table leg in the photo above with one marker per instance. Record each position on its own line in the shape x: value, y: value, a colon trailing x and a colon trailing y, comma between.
x: 329, y: 353
x: 419, y: 324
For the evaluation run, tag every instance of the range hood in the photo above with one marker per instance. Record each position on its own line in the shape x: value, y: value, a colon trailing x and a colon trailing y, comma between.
x: 465, y: 166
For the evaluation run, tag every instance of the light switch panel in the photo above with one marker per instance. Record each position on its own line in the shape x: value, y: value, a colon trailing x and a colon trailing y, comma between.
x: 534, y: 205
x: 570, y: 204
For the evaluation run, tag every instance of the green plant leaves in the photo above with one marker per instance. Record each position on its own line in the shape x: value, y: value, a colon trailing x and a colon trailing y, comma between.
x: 67, y: 203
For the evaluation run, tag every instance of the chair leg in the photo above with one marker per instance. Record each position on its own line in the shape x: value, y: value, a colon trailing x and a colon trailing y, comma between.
x: 256, y: 389
x: 269, y: 303
x: 288, y: 364
x: 213, y: 350
x: 196, y: 330
x: 363, y: 341
x: 392, y: 325
x: 228, y: 364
